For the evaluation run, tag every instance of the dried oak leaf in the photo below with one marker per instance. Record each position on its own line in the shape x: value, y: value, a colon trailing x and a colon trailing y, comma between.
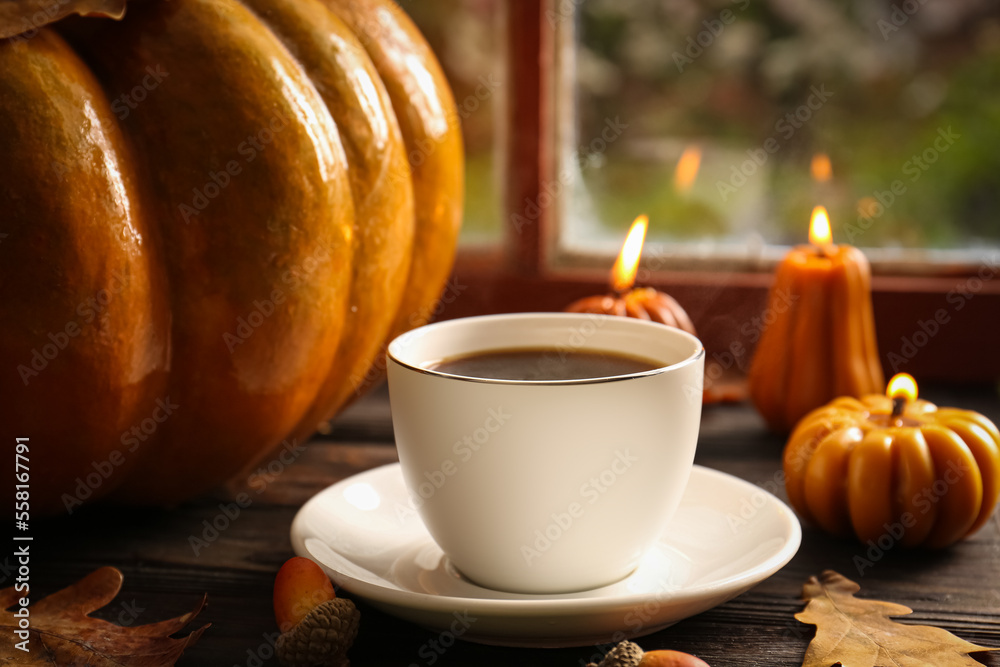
x: 859, y: 633
x: 24, y: 17
x: 61, y: 632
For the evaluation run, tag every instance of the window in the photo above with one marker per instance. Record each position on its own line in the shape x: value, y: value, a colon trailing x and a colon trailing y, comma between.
x: 575, y: 71
x: 468, y: 39
x: 726, y: 121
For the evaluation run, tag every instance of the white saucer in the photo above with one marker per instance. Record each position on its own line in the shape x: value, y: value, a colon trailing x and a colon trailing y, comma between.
x: 726, y: 536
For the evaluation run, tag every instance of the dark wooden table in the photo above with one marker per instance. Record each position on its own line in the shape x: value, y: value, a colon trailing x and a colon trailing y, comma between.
x: 957, y: 589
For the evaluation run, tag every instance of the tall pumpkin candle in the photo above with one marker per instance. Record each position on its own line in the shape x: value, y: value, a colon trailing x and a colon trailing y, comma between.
x: 819, y: 342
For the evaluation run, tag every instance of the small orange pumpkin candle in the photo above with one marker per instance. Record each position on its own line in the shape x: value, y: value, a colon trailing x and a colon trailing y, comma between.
x: 644, y: 303
x: 893, y: 468
x: 819, y: 340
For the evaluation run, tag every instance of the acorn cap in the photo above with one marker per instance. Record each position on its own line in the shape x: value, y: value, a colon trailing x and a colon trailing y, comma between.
x: 322, y: 637
x: 625, y: 654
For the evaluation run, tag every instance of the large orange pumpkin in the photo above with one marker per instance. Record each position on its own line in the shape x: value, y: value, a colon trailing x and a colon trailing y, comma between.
x: 214, y: 215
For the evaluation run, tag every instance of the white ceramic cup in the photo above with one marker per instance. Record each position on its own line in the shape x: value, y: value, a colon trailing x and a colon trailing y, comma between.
x: 546, y: 486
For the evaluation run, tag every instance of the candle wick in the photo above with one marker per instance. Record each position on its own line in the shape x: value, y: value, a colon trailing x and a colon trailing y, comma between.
x: 898, y: 403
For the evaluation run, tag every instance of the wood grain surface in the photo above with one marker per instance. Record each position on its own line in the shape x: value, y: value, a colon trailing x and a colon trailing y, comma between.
x: 957, y: 589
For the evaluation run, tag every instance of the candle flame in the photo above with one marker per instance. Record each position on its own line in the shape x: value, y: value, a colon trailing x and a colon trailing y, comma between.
x: 819, y: 227
x: 821, y: 168
x: 627, y: 264
x: 868, y: 207
x: 687, y: 168
x: 902, y: 385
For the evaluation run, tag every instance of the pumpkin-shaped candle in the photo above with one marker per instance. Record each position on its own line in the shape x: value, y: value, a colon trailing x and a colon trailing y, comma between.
x: 644, y: 303
x: 894, y: 469
x: 819, y: 340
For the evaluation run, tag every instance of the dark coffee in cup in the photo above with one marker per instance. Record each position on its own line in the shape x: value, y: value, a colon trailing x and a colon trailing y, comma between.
x: 543, y: 364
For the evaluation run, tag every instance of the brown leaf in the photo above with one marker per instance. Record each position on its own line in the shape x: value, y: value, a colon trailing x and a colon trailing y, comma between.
x: 61, y: 632
x: 24, y: 17
x: 859, y: 633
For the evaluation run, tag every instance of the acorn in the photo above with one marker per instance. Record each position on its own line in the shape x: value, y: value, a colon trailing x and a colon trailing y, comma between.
x: 322, y: 637
x: 627, y: 654
x: 624, y: 654
x: 317, y: 627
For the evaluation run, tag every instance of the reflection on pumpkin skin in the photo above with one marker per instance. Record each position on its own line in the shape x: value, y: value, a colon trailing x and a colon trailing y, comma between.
x: 229, y: 207
x: 84, y: 339
x: 380, y: 180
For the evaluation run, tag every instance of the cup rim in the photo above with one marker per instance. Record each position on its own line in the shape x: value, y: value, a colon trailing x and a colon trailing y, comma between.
x: 691, y: 359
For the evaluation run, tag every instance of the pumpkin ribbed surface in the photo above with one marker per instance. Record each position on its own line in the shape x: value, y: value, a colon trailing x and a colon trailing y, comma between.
x: 210, y: 226
x: 927, y: 477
